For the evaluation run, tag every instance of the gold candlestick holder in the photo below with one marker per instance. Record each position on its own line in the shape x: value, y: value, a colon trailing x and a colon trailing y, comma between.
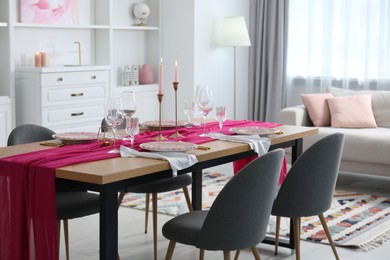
x: 159, y: 136
x: 176, y: 134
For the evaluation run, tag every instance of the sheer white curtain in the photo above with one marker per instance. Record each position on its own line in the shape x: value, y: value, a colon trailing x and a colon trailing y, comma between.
x: 340, y: 43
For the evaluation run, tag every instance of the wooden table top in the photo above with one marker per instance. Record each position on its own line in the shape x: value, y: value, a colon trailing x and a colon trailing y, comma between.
x: 116, y: 169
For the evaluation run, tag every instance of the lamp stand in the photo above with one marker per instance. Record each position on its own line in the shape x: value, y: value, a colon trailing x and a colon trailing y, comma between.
x: 234, y: 82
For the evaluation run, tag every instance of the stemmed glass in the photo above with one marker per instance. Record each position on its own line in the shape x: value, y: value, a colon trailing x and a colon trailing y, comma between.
x: 132, y: 128
x: 114, y: 117
x: 204, y: 102
x: 220, y: 115
x: 129, y: 105
x: 189, y: 110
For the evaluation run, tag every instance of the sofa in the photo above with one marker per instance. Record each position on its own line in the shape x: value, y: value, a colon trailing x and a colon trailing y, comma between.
x: 367, y: 146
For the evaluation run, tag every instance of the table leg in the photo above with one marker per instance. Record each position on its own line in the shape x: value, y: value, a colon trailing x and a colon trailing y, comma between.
x: 197, y: 177
x: 296, y: 151
x: 108, y: 223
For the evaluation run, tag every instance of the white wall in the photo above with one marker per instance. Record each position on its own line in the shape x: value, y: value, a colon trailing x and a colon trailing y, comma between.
x: 189, y: 30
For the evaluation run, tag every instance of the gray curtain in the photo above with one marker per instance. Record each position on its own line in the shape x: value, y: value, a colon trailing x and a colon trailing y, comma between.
x: 267, y: 60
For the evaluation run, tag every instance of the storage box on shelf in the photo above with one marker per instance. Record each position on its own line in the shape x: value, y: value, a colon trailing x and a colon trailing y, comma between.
x: 63, y: 99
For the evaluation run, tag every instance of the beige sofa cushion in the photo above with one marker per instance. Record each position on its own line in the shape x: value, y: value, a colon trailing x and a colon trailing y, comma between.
x: 380, y: 103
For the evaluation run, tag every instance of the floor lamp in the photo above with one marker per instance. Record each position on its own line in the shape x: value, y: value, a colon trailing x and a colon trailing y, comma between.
x: 235, y: 34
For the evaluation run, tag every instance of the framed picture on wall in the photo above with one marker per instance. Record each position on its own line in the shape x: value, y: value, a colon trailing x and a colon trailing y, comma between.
x: 59, y: 12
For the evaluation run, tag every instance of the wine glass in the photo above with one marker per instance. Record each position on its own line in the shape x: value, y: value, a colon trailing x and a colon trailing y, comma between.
x: 189, y: 110
x: 220, y: 115
x: 115, y: 116
x: 204, y: 102
x: 129, y: 105
x: 132, y: 128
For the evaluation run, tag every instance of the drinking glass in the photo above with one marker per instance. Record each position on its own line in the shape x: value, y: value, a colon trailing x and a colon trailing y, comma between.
x: 220, y: 115
x: 189, y: 110
x: 115, y: 116
x: 132, y: 128
x: 129, y: 104
x: 204, y: 102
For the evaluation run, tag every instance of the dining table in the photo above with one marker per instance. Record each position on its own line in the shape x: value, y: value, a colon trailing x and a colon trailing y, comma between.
x: 109, y: 176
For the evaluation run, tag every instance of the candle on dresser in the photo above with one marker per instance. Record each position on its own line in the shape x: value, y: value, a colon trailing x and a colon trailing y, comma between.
x: 43, y: 59
x: 176, y: 72
x: 160, y: 82
x: 37, y: 60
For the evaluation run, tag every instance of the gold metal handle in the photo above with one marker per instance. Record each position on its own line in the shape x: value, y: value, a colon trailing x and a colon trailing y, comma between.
x: 77, y: 94
x: 60, y: 79
x: 93, y: 77
x: 77, y: 114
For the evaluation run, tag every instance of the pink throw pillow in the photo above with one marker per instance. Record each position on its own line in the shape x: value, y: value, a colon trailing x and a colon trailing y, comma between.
x: 352, y: 112
x: 317, y: 108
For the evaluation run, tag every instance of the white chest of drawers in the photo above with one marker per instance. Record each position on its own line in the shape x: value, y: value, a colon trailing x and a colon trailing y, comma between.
x: 5, y: 119
x: 62, y: 99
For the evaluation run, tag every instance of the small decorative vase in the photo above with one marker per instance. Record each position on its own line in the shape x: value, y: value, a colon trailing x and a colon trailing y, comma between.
x: 146, y: 75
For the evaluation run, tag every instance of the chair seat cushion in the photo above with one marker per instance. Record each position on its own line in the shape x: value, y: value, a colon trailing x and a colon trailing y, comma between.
x: 185, y: 228
x: 76, y: 204
x: 164, y: 185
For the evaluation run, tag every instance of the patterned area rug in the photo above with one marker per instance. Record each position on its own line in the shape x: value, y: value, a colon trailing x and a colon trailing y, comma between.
x: 355, y: 220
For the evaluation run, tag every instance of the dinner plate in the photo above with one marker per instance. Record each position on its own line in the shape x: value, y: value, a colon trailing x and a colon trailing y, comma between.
x: 168, y: 146
x: 165, y: 124
x: 75, y: 137
x: 254, y: 130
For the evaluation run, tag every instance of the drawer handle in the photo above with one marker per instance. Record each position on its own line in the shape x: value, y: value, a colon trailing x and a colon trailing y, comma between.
x: 77, y: 114
x: 77, y: 94
x: 93, y: 77
x: 60, y: 79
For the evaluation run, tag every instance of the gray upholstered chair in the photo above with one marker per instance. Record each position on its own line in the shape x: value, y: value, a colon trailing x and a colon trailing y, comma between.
x: 70, y: 203
x: 309, y: 186
x: 155, y: 187
x: 239, y: 216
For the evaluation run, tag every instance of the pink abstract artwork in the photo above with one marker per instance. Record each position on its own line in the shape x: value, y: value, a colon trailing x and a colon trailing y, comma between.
x: 62, y: 12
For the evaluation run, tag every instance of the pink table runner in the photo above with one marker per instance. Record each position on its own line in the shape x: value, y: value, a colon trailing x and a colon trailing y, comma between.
x: 27, y: 190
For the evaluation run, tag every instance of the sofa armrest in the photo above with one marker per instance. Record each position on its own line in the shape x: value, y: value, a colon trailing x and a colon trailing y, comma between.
x: 296, y: 115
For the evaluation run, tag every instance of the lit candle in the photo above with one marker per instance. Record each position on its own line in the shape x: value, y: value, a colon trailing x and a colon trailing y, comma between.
x: 176, y: 72
x: 43, y: 58
x: 160, y: 83
x: 37, y: 60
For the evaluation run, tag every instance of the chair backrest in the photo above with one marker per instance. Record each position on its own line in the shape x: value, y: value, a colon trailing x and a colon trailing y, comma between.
x: 239, y: 216
x: 309, y: 186
x: 29, y: 133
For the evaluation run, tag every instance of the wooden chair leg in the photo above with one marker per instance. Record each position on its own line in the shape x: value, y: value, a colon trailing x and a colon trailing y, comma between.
x: 147, y: 200
x: 188, y: 200
x: 154, y: 209
x: 58, y: 236
x: 326, y: 229
x: 256, y: 253
x: 226, y: 255
x: 201, y: 254
x: 277, y: 233
x: 120, y: 198
x: 66, y: 234
x: 297, y: 237
x: 171, y: 248
x: 237, y: 255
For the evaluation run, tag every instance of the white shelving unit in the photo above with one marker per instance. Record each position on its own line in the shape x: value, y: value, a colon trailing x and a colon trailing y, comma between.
x: 108, y: 37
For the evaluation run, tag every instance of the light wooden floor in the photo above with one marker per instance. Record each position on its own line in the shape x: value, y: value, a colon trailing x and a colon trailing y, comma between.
x: 134, y: 244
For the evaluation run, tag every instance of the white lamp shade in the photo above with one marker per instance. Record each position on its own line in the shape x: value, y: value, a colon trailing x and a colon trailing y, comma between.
x: 235, y: 32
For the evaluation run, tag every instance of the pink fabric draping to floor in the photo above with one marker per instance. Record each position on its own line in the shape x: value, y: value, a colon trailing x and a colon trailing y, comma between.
x: 27, y: 189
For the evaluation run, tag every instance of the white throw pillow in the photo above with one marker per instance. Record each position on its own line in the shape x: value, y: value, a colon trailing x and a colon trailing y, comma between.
x: 380, y: 103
